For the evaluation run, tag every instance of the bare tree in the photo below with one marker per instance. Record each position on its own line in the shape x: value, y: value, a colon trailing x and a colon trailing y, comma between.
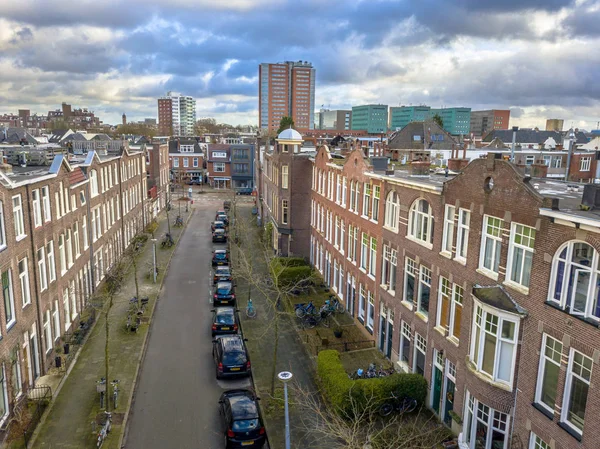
x: 253, y: 263
x: 359, y: 425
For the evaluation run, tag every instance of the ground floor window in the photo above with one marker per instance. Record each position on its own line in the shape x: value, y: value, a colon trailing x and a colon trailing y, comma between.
x: 536, y: 442
x: 484, y: 427
x: 405, y: 343
x: 3, y: 395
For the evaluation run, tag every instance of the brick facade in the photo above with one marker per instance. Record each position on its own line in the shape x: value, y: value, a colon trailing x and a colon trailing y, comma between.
x: 462, y: 248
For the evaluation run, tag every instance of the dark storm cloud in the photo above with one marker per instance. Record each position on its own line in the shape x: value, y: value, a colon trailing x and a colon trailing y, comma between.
x: 24, y: 34
x: 583, y: 23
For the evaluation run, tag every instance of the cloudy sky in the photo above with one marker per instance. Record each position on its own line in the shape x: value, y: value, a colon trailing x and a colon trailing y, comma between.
x: 540, y: 58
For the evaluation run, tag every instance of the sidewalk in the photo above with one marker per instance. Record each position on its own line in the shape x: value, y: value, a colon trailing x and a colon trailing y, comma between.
x: 67, y: 421
x: 292, y: 356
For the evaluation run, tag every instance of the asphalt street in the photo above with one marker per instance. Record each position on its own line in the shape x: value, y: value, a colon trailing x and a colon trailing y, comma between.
x: 175, y: 404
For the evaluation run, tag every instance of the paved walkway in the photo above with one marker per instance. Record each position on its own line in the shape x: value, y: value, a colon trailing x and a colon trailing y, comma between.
x: 67, y: 423
x: 292, y: 356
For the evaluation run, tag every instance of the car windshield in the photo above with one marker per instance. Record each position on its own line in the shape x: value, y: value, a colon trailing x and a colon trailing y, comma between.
x: 225, y: 318
x: 223, y: 288
x: 244, y: 425
x: 234, y: 358
x: 220, y: 255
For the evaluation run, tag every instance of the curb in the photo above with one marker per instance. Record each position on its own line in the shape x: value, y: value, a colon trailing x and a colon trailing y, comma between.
x: 125, y: 426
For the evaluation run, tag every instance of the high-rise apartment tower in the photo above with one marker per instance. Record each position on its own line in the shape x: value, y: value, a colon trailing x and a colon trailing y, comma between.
x: 176, y: 115
x: 286, y: 89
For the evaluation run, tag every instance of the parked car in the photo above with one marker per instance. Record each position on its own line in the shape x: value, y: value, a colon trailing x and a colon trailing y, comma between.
x: 224, y: 294
x: 220, y: 257
x: 226, y: 205
x: 222, y: 273
x: 244, y: 191
x: 225, y: 321
x: 217, y: 225
x: 219, y: 236
x: 224, y: 218
x: 231, y: 356
x: 220, y: 212
x: 241, y: 421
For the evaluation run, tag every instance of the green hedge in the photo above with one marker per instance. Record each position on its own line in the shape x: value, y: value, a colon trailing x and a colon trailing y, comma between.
x: 290, y: 270
x: 290, y: 261
x: 339, y: 388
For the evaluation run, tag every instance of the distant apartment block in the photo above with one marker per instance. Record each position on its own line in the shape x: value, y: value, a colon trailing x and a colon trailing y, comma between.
x: 372, y: 118
x: 483, y: 122
x: 286, y: 89
x: 176, y: 114
x: 555, y: 124
x: 340, y: 120
x: 403, y: 115
x: 457, y: 121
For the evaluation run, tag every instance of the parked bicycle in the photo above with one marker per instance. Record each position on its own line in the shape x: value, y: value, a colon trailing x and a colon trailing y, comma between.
x: 167, y: 241
x: 179, y: 221
x: 315, y: 318
x: 304, y: 309
x: 334, y: 305
x: 105, y: 429
x: 138, y: 306
x: 101, y: 388
x: 250, y: 310
x: 115, y: 385
x: 397, y: 404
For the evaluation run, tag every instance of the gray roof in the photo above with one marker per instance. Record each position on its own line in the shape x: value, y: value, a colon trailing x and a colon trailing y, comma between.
x: 497, y: 297
x: 533, y: 136
x: 404, y: 139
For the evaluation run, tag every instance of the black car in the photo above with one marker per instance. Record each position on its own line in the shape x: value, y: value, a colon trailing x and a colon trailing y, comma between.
x: 220, y: 257
x: 222, y: 273
x: 241, y: 421
x: 224, y: 294
x: 225, y: 321
x: 226, y: 205
x: 231, y: 357
x: 217, y: 225
x: 219, y: 236
x: 224, y: 218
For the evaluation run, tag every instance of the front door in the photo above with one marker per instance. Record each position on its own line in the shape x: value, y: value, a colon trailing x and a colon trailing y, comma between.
x: 390, y: 333
x: 449, y: 390
x: 436, y: 390
x: 382, y: 338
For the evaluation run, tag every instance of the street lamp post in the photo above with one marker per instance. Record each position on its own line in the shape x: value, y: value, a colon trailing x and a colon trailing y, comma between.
x: 285, y: 377
x: 154, y: 259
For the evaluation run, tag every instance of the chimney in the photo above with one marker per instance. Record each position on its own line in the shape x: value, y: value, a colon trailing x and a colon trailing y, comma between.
x: 591, y: 197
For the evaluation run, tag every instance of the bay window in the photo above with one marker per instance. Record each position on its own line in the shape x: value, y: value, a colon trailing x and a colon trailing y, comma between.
x: 484, y: 427
x: 574, y: 281
x: 494, y: 343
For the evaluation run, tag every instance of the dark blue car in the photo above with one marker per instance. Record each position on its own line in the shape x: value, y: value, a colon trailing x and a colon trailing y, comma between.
x: 224, y: 294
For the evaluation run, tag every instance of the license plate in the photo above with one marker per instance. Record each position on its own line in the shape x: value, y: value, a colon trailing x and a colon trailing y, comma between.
x: 234, y: 369
x: 224, y: 328
x: 247, y: 443
x: 220, y: 263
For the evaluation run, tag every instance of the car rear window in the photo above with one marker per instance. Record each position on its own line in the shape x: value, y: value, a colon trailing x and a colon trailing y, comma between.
x: 223, y: 289
x: 220, y: 255
x: 219, y: 231
x: 234, y: 358
x: 245, y: 425
x: 225, y: 319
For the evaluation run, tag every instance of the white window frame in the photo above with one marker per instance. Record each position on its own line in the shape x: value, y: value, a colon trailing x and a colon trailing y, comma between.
x: 342, y: 237
x: 389, y: 268
x: 476, y: 411
x: 175, y: 162
x: 411, y: 269
x: 11, y: 299
x: 186, y: 162
x: 24, y: 281
x: 535, y: 442
x: 18, y: 217
x: 478, y: 333
x: 392, y: 210
x: 522, y: 242
x: 375, y: 202
x: 284, y: 212
x: 551, y: 351
x: 366, y: 199
x: 497, y: 225
x: 420, y: 346
x: 420, y: 223
x: 37, y: 207
x: 219, y: 167
x: 364, y: 251
x: 448, y: 234
x: 56, y: 319
x: 84, y: 232
x: 41, y: 261
x: 344, y: 190
x: 48, y: 332
x: 362, y: 298
x: 571, y: 374
x: 46, y: 204
x: 51, y: 261
x: 424, y: 282
x: 370, y: 321
x: 3, y: 244
x: 93, y: 183
x: 284, y: 177
x: 62, y: 254
x: 585, y: 163
x: 405, y: 336
x: 462, y: 235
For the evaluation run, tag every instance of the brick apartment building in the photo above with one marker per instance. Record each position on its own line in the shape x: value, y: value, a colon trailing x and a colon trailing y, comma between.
x: 285, y: 194
x: 485, y: 283
x: 157, y: 173
x: 186, y: 160
x: 61, y: 229
x: 218, y: 166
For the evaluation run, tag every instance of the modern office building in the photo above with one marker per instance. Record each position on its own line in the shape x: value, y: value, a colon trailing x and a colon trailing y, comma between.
x: 286, y: 89
x: 372, y: 118
x: 339, y: 120
x: 483, y: 122
x: 403, y: 115
x: 457, y: 121
x: 554, y: 124
x: 176, y: 115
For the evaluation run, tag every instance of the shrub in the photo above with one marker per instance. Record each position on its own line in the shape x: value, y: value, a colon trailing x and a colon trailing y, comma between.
x: 290, y: 261
x: 339, y: 389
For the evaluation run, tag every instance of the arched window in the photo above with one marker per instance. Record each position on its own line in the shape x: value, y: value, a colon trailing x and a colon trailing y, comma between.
x: 94, y: 183
x: 574, y: 282
x: 392, y: 206
x: 420, y: 221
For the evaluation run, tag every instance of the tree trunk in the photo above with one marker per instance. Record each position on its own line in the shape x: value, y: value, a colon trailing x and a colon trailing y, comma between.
x: 106, y: 354
x: 135, y: 279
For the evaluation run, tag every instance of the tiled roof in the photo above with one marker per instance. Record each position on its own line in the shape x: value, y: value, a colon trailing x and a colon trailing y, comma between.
x: 76, y: 176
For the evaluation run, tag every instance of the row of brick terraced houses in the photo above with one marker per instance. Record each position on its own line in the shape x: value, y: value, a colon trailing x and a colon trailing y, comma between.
x: 61, y: 229
x: 486, y: 283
